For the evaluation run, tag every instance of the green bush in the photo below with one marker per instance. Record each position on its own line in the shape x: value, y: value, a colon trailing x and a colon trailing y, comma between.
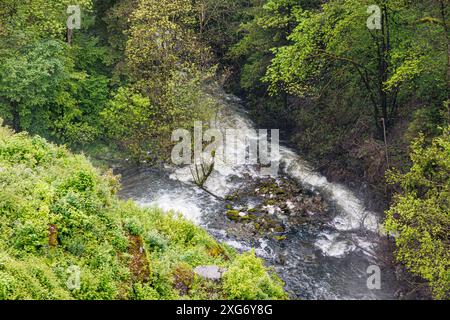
x: 58, y: 213
x: 419, y: 217
x: 155, y: 241
x: 247, y: 279
x: 30, y: 278
x: 132, y: 225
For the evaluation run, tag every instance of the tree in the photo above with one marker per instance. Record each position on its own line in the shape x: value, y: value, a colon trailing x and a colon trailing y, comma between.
x: 333, y: 45
x: 29, y: 79
x: 217, y: 23
x: 265, y: 25
x: 36, y: 19
x: 143, y: 129
x: 269, y: 25
x: 419, y: 217
x: 441, y: 19
x: 161, y: 39
x: 37, y: 71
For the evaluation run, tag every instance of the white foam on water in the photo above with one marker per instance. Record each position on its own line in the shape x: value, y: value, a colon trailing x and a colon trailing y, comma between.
x: 353, y: 215
x: 263, y: 250
x: 365, y: 244
x: 176, y: 203
x: 238, y: 245
x: 331, y: 247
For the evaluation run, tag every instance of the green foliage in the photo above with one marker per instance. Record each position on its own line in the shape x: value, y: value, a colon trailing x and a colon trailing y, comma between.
x: 218, y: 22
x: 143, y: 128
x: 78, y: 120
x: 130, y: 89
x: 29, y: 279
x: 156, y: 241
x: 30, y: 79
x: 420, y: 215
x: 154, y: 50
x: 57, y: 212
x: 247, y: 279
x: 319, y: 53
x: 36, y: 19
x: 133, y: 227
x: 139, y: 69
x: 267, y: 28
x: 47, y: 87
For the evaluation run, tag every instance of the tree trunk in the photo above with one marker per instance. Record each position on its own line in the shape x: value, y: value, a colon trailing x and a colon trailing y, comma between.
x: 202, y: 19
x: 384, y: 48
x: 447, y: 36
x: 16, y: 117
x: 384, y: 67
x: 69, y: 36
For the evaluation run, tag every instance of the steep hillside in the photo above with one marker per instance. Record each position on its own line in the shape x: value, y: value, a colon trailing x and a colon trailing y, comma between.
x: 64, y: 235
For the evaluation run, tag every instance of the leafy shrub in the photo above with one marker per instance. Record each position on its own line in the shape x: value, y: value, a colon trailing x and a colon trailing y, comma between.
x: 28, y: 279
x: 58, y: 212
x: 420, y: 216
x: 247, y: 279
x: 155, y: 241
x: 132, y: 226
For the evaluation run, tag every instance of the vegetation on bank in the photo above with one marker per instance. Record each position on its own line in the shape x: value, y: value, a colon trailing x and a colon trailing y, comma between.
x: 420, y: 215
x: 353, y: 99
x: 315, y: 70
x: 119, y: 81
x: 58, y: 214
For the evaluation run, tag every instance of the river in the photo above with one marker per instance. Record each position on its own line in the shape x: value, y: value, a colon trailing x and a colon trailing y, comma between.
x: 316, y: 260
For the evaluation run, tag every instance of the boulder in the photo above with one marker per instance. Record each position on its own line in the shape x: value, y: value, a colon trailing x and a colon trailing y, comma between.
x: 214, y: 273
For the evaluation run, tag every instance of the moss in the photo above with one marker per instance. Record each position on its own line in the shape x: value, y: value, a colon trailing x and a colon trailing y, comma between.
x: 268, y: 225
x: 270, y: 202
x: 216, y: 251
x: 279, y: 228
x: 232, y: 197
x: 235, y: 215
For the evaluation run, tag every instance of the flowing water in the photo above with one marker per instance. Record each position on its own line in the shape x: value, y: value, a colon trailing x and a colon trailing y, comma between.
x: 316, y: 261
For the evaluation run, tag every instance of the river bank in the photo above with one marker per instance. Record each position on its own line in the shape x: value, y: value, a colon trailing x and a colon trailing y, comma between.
x: 318, y: 258
x: 354, y: 172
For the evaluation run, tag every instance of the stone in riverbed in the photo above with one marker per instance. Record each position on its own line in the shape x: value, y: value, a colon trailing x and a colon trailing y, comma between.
x: 233, y: 214
x: 214, y: 273
x: 280, y: 238
x: 239, y: 216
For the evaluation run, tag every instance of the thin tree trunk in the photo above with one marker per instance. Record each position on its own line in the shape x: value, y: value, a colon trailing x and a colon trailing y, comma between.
x: 385, y: 142
x: 447, y: 36
x: 16, y: 117
x: 202, y: 19
x: 69, y: 36
x: 384, y: 65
